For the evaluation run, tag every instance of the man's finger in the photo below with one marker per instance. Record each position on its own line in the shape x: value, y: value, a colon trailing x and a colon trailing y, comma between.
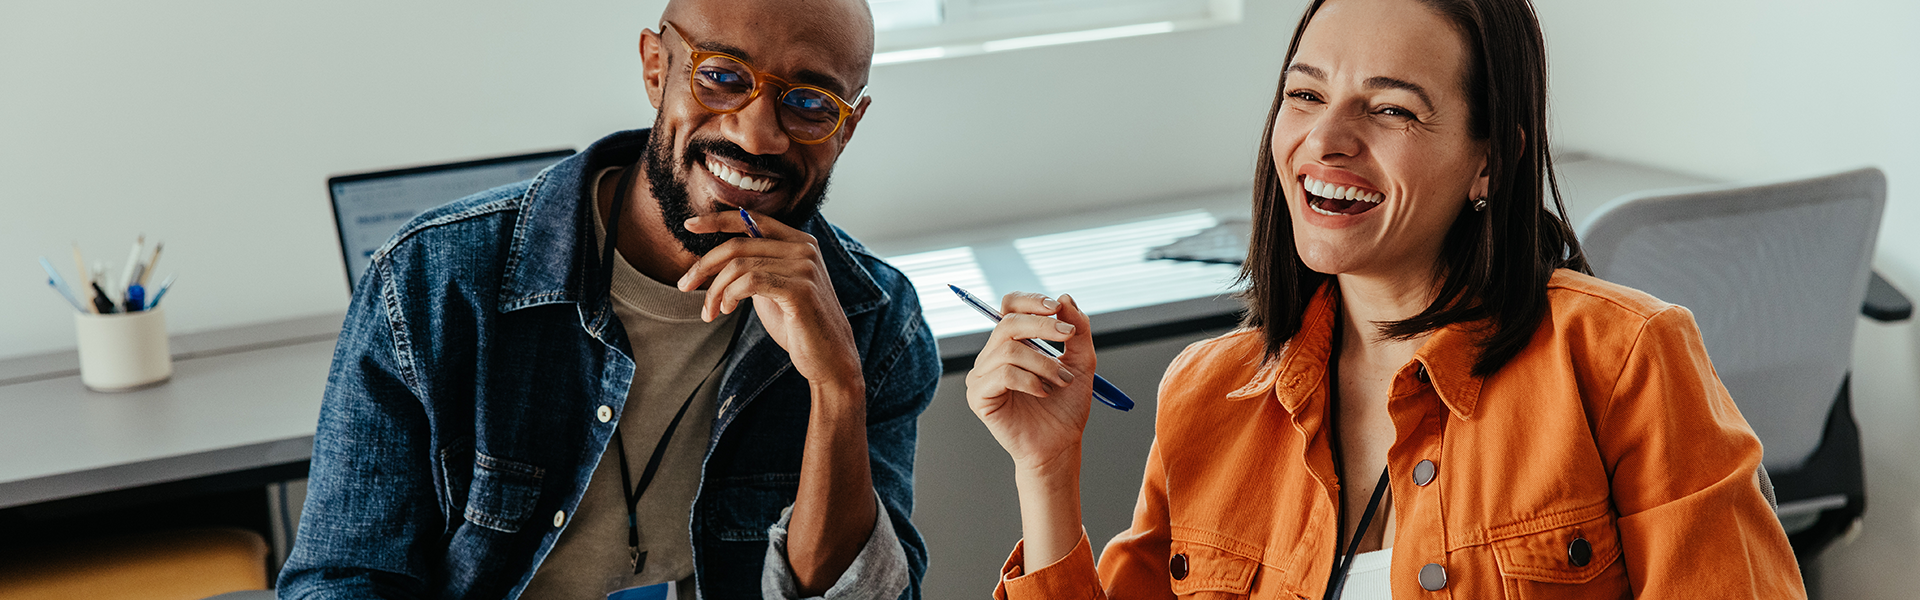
x: 729, y: 221
x: 748, y: 277
x: 708, y: 266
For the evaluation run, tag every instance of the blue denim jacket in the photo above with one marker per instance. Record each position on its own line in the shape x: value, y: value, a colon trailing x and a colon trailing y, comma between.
x: 459, y: 417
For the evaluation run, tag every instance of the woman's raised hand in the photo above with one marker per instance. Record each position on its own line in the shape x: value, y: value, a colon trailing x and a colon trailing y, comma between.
x: 1035, y: 405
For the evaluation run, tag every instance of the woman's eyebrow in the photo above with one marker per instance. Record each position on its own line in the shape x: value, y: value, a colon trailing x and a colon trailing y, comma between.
x: 1308, y: 70
x: 1389, y: 83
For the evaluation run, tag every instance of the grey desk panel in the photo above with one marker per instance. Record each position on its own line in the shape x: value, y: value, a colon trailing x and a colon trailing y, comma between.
x: 218, y: 414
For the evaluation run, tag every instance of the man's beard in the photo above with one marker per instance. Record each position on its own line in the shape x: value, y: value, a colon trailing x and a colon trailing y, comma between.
x: 668, y: 177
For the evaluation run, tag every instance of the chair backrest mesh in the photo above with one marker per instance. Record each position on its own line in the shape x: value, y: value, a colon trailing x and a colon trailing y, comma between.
x: 1773, y: 273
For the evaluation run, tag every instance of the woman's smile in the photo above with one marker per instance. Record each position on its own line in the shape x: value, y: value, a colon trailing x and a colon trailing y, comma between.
x: 1336, y: 200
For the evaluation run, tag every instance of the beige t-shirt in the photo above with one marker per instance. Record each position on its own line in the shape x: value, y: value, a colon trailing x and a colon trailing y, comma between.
x: 673, y: 352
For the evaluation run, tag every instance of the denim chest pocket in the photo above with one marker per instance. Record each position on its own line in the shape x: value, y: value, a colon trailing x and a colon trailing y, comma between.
x: 740, y: 509
x: 503, y: 493
x: 1202, y: 570
x: 1580, y: 560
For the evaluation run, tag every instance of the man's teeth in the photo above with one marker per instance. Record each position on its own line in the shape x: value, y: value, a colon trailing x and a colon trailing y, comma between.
x: 738, y: 179
x: 1328, y: 190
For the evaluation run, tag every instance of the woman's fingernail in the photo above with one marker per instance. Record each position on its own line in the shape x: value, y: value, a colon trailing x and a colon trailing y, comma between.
x: 1066, y: 375
x: 1064, y: 327
x: 1051, y: 304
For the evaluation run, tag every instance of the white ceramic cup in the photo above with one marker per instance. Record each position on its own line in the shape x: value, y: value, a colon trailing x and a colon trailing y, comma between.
x: 121, y: 352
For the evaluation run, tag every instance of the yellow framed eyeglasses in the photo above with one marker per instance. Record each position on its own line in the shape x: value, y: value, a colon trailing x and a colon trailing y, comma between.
x: 723, y: 83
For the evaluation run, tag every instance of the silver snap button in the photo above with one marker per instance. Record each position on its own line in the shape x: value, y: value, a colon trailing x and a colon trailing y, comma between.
x: 1433, y: 577
x: 560, y: 516
x: 1423, y: 473
x: 605, y: 413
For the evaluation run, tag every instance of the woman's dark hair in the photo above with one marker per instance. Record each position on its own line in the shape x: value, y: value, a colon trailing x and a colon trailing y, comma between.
x: 1495, y: 263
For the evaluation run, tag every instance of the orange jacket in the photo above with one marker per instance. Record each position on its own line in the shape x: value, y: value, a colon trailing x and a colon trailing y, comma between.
x: 1610, y: 427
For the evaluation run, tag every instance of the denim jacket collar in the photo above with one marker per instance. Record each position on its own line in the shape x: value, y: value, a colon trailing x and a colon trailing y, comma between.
x: 551, y: 259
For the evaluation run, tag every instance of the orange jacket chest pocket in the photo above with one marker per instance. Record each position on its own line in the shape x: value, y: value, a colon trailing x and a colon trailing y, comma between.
x: 1200, y: 570
x: 1576, y: 561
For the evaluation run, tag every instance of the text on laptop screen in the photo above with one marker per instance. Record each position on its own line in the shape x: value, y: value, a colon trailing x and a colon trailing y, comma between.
x: 370, y: 208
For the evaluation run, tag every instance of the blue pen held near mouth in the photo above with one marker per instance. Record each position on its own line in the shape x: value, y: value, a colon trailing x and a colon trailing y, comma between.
x: 1103, y: 390
x: 753, y: 229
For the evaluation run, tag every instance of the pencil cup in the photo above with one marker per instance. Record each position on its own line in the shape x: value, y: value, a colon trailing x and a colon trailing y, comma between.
x: 122, y: 352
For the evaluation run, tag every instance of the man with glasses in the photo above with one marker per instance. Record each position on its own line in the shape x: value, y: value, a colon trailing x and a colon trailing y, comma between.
x: 654, y: 368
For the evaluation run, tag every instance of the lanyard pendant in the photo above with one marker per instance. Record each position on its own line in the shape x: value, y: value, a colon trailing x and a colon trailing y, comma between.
x: 637, y: 558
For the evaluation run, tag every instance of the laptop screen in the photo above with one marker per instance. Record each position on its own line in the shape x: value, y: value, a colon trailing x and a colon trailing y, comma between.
x: 369, y: 208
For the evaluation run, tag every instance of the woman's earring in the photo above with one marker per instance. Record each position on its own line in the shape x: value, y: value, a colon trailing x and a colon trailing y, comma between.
x: 1479, y: 204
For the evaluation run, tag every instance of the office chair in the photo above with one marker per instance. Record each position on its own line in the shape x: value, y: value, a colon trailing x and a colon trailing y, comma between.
x: 1774, y: 274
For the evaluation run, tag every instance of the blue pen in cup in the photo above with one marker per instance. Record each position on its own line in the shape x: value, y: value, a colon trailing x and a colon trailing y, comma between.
x: 1103, y: 390
x: 753, y: 229
x: 59, y: 284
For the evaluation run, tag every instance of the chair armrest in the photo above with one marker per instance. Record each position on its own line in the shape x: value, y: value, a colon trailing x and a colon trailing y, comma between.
x: 1884, y: 303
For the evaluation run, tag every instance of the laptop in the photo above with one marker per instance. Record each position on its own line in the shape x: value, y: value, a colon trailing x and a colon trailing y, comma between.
x: 368, y: 208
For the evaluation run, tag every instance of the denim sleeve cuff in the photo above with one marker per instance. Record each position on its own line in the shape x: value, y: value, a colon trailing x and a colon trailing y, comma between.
x: 879, y: 572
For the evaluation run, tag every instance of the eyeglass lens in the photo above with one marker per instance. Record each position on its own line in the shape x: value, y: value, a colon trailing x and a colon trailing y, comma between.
x: 725, y: 84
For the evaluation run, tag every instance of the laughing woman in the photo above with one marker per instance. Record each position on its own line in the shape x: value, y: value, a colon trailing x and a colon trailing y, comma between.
x: 1431, y: 397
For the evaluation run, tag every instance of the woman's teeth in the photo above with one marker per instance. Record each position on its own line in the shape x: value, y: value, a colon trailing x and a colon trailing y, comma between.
x: 738, y: 179
x: 1336, y: 192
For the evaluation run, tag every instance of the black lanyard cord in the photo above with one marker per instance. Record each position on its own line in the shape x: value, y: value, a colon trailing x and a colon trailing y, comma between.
x: 1341, y: 564
x: 632, y: 492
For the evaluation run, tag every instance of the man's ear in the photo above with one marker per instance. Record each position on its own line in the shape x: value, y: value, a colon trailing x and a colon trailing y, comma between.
x: 653, y: 65
x: 853, y: 120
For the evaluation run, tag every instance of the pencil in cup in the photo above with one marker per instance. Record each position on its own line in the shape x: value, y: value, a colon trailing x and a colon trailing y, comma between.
x: 1103, y: 390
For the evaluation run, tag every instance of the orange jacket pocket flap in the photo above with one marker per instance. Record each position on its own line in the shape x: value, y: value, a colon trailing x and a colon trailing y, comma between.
x: 1569, y: 554
x: 1197, y: 567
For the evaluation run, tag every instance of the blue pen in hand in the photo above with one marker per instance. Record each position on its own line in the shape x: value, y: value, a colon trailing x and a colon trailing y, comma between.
x: 753, y: 229
x: 1103, y: 390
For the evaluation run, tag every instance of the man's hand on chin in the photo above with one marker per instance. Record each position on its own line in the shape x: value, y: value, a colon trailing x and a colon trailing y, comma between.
x: 792, y: 294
